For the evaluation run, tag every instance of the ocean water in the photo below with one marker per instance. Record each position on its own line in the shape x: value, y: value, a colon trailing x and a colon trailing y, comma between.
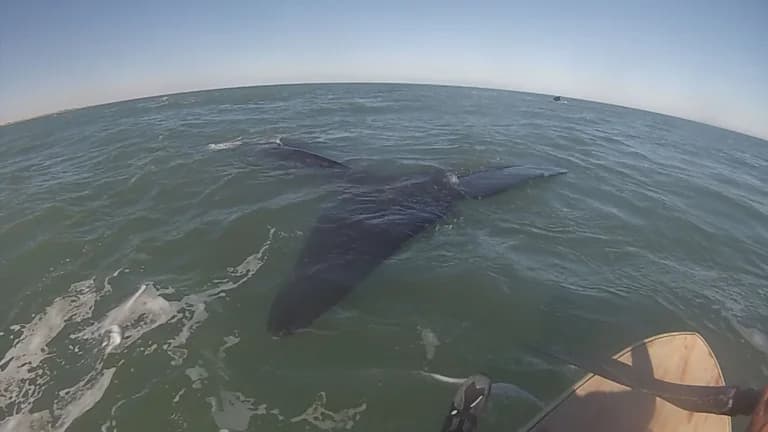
x: 160, y: 217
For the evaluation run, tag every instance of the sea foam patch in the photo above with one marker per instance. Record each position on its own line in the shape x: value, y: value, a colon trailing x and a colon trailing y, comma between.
x: 67, y: 336
x: 27, y: 373
x: 429, y: 340
x: 226, y: 144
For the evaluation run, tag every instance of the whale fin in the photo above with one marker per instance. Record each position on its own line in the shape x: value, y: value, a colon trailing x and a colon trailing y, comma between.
x: 493, y: 181
x: 304, y: 157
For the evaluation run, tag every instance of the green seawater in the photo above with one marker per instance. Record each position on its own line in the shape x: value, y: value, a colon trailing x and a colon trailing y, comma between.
x: 159, y: 216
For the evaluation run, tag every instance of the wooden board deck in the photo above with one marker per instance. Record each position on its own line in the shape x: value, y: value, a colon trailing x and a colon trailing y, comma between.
x: 596, y: 404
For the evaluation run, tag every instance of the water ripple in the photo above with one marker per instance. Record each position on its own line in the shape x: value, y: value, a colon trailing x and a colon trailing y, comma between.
x: 660, y: 224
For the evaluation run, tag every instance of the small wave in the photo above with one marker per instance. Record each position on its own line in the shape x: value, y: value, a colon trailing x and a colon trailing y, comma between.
x: 226, y: 145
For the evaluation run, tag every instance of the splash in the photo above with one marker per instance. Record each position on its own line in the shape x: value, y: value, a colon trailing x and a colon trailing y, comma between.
x: 114, y: 337
x: 140, y: 313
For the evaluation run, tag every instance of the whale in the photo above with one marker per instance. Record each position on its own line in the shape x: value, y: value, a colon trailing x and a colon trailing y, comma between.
x: 368, y: 222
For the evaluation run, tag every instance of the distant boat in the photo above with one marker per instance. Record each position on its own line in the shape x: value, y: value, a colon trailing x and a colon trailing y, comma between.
x: 557, y: 98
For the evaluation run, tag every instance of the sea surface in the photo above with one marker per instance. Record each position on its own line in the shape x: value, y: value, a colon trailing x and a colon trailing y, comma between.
x: 141, y: 243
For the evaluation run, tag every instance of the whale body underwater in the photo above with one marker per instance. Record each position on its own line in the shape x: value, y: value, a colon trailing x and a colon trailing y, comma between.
x: 369, y: 221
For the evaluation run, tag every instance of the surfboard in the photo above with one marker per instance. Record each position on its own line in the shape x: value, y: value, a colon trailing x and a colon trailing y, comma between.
x: 598, y: 405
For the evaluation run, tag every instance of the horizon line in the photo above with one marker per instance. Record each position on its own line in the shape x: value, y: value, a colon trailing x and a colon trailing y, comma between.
x: 413, y: 83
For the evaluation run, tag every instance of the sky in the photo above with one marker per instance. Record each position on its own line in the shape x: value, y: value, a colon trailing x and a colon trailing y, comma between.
x: 703, y: 60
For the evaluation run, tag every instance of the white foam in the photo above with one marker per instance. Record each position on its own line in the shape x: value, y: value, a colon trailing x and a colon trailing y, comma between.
x: 199, y: 314
x: 229, y: 341
x: 252, y: 263
x: 140, y: 313
x: 110, y: 425
x: 75, y: 401
x: 233, y: 411
x: 22, y: 372
x: 39, y: 421
x: 156, y: 102
x: 177, y: 397
x: 429, y: 340
x: 325, y: 419
x: 452, y: 178
x: 226, y: 145
x: 758, y: 339
x: 197, y: 374
x: 443, y: 378
x: 196, y: 302
x: 24, y: 375
x: 114, y: 337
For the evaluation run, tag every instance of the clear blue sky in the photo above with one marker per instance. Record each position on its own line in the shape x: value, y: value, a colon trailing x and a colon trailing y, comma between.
x: 703, y: 60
